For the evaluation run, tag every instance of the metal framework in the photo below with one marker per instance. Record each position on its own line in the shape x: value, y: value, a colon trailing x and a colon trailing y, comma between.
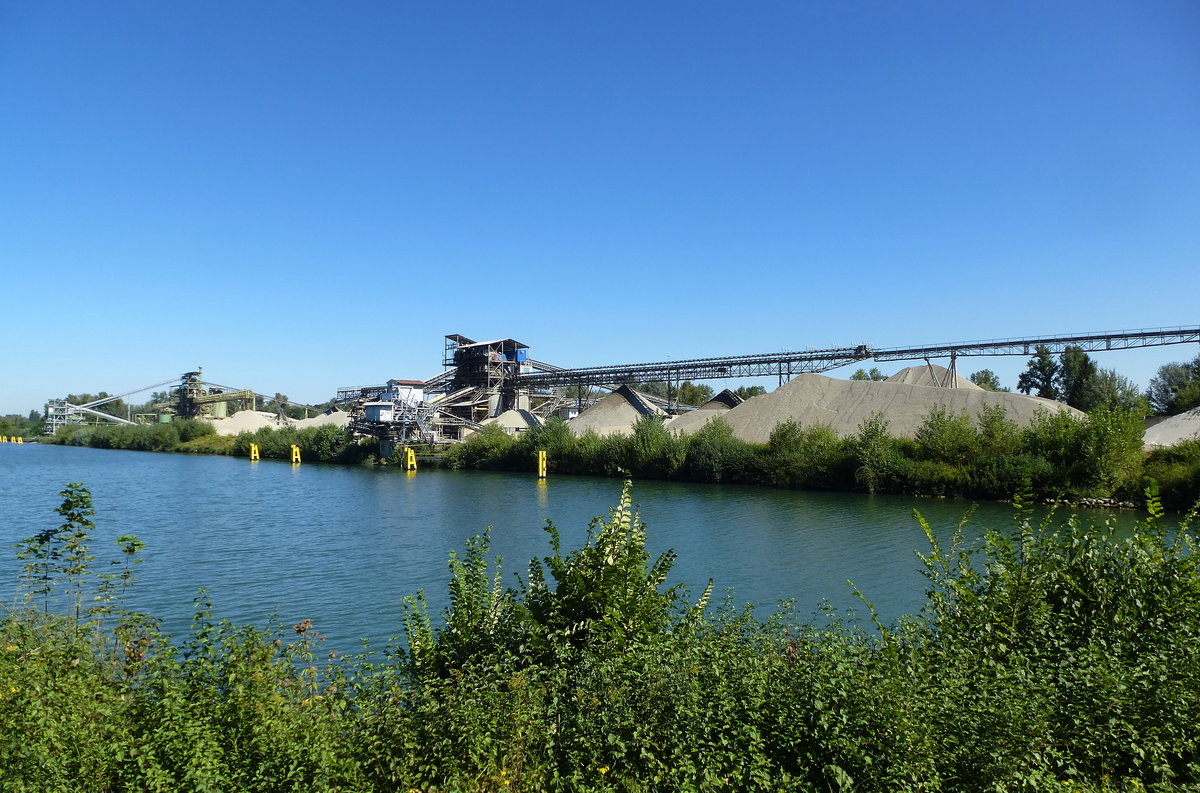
x: 785, y: 365
x: 192, y: 397
x: 1027, y: 345
x: 781, y: 364
x: 61, y: 413
x: 412, y: 422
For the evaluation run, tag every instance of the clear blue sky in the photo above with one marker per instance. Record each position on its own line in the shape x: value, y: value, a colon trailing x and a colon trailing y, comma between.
x: 300, y: 196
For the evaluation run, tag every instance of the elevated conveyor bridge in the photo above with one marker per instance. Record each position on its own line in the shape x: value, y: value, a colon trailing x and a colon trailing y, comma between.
x: 785, y: 365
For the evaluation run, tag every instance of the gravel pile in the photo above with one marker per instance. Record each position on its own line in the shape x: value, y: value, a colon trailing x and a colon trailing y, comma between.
x: 249, y: 421
x: 1176, y: 429
x: 338, y: 418
x: 514, y: 421
x: 614, y: 414
x: 931, y: 375
x: 844, y: 404
x: 693, y: 420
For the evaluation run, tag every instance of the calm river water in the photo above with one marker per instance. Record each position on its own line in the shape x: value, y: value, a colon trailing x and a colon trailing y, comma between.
x: 342, y: 546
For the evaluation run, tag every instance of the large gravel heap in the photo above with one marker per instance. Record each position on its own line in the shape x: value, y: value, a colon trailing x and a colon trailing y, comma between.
x: 249, y: 421
x: 1176, y: 429
x: 614, y: 414
x: 254, y: 420
x: 932, y: 375
x: 513, y: 421
x: 844, y: 404
x: 695, y: 419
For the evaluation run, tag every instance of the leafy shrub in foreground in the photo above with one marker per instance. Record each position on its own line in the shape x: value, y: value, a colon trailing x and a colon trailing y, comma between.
x: 1054, y: 656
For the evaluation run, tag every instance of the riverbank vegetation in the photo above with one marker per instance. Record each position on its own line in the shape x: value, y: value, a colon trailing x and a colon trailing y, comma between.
x: 1053, y: 655
x: 1096, y: 457
x: 328, y: 444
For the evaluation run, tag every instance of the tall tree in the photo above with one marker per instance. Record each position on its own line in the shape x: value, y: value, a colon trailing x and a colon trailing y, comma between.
x: 1175, y: 388
x: 658, y: 388
x: 1115, y: 391
x: 987, y: 380
x: 692, y: 394
x: 1040, y: 378
x: 748, y: 391
x: 1076, y: 379
x: 874, y: 374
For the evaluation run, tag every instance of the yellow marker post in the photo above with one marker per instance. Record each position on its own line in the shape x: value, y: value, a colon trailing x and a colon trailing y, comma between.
x: 542, y: 464
x: 254, y: 452
x: 410, y: 459
x: 295, y: 454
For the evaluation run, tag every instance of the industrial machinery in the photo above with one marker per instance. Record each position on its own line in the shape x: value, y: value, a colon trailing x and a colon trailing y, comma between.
x: 195, y: 398
x: 191, y: 398
x: 61, y: 413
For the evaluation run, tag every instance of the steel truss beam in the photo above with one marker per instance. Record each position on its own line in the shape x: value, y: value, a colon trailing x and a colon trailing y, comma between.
x: 1027, y: 345
x: 785, y: 365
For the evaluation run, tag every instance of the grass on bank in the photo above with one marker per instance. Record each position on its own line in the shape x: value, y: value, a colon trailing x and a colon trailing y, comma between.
x: 1051, y: 656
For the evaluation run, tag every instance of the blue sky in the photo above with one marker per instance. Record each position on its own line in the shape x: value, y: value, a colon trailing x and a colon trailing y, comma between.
x: 300, y: 196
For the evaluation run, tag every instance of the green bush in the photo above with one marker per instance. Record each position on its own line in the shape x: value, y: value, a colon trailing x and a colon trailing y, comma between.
x: 876, y: 453
x: 948, y: 438
x: 1046, y: 657
x: 486, y: 448
x: 1177, y: 470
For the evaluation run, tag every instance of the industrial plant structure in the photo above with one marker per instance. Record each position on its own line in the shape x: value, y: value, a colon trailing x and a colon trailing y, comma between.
x: 191, y: 397
x: 494, y: 380
x: 486, y: 380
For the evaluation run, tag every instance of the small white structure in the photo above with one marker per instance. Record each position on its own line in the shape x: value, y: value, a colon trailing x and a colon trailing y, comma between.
x: 407, y: 392
x: 398, y: 398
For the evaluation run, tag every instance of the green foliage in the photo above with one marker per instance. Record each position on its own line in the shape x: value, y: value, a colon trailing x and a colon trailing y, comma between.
x: 876, y: 452
x: 1041, y: 377
x: 14, y: 426
x: 1175, y: 388
x: 606, y: 596
x: 1081, y: 630
x: 1076, y: 380
x: 1053, y: 656
x: 863, y: 374
x: 1097, y: 455
x: 749, y: 391
x: 144, y: 438
x: 481, y: 449
x: 953, y: 454
x: 714, y: 455
x: 987, y: 380
x: 812, y: 457
x: 653, y: 450
x: 948, y: 438
x: 1117, y: 392
x: 61, y: 555
x: 323, y: 444
x: 1076, y: 374
x: 694, y: 393
x: 1177, y: 471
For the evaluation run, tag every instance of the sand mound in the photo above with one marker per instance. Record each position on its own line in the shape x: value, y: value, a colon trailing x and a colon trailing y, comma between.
x: 693, y: 420
x: 845, y: 404
x: 615, y: 414
x: 338, y: 418
x: 249, y: 421
x: 1176, y: 429
x: 933, y: 376
x: 514, y: 421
